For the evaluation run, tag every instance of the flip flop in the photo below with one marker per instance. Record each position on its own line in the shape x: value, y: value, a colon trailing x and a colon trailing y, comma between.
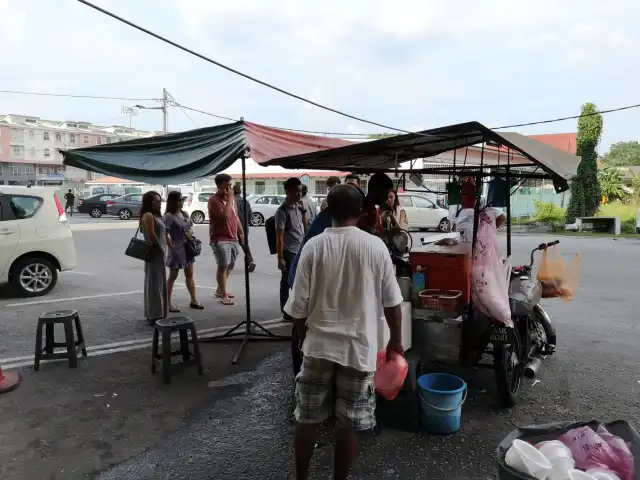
x: 227, y: 301
x: 196, y: 306
x: 174, y: 310
x: 219, y: 295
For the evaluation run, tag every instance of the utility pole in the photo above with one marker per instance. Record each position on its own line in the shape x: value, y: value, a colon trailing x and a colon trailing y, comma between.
x: 165, y: 101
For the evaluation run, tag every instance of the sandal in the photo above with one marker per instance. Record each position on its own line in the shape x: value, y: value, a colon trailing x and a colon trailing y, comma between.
x: 196, y: 306
x: 174, y: 310
x: 219, y: 295
x: 227, y: 301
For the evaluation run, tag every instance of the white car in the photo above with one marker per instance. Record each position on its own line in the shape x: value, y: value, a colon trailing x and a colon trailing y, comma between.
x: 423, y: 214
x: 197, y: 206
x: 35, y: 239
x: 263, y: 207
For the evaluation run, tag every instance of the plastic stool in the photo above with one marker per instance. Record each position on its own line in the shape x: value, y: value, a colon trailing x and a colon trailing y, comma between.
x: 68, y: 318
x: 167, y: 326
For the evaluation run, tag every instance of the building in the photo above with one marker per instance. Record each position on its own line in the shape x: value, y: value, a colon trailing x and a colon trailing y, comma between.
x: 30, y: 148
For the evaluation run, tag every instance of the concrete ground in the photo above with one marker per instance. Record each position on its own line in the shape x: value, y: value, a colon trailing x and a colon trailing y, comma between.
x: 236, y: 421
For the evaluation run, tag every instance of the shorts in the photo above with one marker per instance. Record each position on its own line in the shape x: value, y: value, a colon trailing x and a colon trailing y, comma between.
x: 225, y: 252
x: 325, y: 389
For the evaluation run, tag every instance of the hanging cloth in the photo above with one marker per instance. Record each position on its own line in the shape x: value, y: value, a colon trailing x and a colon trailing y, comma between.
x: 498, y: 194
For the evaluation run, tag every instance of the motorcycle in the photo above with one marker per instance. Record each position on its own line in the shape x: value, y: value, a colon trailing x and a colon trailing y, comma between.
x: 518, y: 351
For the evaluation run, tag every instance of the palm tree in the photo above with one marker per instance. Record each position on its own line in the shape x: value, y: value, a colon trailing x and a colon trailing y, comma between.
x: 610, y: 184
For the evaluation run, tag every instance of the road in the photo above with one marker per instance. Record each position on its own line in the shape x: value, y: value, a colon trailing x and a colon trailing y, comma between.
x: 237, y: 424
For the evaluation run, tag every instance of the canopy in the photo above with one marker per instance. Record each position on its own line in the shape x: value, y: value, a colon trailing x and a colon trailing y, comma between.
x: 187, y: 156
x: 388, y: 153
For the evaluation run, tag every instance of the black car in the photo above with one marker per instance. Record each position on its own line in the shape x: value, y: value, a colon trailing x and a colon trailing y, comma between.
x: 96, y: 205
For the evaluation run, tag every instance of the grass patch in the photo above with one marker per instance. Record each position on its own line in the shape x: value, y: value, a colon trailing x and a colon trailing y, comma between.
x: 626, y: 212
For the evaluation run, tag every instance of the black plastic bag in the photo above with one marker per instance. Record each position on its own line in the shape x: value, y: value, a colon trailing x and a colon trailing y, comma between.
x: 551, y: 431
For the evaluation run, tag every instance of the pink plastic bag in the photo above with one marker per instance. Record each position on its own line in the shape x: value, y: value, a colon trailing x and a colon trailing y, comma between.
x: 625, y: 466
x: 390, y: 375
x: 489, y: 286
x: 590, y: 450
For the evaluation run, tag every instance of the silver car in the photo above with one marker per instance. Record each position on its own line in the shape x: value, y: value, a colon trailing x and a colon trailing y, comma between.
x: 126, y: 206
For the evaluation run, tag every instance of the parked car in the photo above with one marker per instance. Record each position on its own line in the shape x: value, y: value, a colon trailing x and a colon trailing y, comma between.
x: 126, y: 206
x: 196, y: 205
x: 95, y: 205
x: 263, y: 207
x: 318, y: 199
x: 424, y: 214
x: 638, y: 221
x: 35, y: 239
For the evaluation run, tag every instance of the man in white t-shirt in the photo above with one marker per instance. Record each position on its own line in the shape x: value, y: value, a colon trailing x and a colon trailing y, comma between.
x: 345, y: 284
x: 463, y: 222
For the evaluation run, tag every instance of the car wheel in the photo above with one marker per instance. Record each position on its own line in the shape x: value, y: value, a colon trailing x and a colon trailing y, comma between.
x: 197, y: 217
x: 257, y: 219
x: 444, y: 225
x: 96, y: 212
x: 33, y: 276
x: 124, y: 214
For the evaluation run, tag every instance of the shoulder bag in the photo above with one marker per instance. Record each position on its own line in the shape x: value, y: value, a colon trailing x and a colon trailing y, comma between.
x: 139, y: 248
x: 193, y: 247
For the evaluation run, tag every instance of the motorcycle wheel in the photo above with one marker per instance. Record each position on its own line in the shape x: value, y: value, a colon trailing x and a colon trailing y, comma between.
x: 509, y: 370
x: 542, y: 318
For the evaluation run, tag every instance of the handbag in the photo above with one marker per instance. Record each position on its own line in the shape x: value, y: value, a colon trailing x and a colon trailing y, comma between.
x: 139, y: 248
x: 193, y: 248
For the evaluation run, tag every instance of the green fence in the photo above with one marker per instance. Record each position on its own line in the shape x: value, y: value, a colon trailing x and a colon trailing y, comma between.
x: 523, y: 202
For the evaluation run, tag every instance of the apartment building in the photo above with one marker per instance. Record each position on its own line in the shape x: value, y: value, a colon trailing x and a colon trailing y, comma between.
x: 30, y: 148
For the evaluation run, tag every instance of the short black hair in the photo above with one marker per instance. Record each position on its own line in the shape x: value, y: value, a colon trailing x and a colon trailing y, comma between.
x: 345, y: 203
x: 332, y: 181
x: 305, y: 189
x: 222, y: 178
x: 236, y: 189
x: 292, y: 182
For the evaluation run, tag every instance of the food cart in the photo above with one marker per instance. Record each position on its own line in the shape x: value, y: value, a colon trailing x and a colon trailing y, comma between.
x: 442, y: 315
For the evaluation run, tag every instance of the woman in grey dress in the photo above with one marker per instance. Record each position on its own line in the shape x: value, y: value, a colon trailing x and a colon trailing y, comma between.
x: 155, y: 273
x: 178, y: 225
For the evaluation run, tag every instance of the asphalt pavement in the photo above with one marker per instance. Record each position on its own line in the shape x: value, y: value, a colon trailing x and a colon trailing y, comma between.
x: 236, y: 423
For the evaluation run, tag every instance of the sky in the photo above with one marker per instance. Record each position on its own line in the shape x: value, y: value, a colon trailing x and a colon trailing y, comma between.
x: 411, y: 64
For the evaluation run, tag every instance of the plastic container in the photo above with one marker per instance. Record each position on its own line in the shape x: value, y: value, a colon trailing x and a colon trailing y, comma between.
x: 602, y: 474
x: 390, y: 374
x: 554, y: 449
x: 525, y: 458
x: 579, y: 475
x: 441, y: 399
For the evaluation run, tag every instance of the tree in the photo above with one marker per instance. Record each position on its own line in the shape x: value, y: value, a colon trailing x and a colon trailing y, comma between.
x: 623, y: 154
x: 611, y: 183
x: 585, y: 189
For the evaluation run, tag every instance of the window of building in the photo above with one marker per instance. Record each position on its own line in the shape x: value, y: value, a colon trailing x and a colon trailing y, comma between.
x: 86, y: 139
x: 108, y: 140
x: 364, y: 184
x: 31, y: 134
x: 58, y: 137
x: 45, y: 136
x: 17, y: 152
x: 83, y: 126
x: 30, y: 120
x: 321, y: 187
x: 32, y: 152
x: 98, y: 140
x: 47, y: 152
x: 280, y: 188
x: 72, y: 138
x: 260, y: 187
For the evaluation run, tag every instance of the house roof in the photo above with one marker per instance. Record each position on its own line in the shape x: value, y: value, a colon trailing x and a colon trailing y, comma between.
x: 561, y: 141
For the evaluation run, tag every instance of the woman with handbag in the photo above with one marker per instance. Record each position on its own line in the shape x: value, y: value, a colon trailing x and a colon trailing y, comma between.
x: 155, y: 273
x: 184, y: 248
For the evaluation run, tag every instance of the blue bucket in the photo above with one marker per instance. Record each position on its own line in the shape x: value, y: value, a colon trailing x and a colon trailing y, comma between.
x: 441, y: 399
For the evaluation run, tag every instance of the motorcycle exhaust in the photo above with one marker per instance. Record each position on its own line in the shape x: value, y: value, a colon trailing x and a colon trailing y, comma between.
x: 531, y: 368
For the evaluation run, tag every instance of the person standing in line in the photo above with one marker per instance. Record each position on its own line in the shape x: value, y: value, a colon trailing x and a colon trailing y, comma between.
x: 379, y: 187
x: 308, y: 203
x: 179, y: 225
x: 344, y: 285
x: 155, y: 273
x: 395, y: 215
x: 70, y: 200
x: 332, y: 182
x: 352, y: 179
x: 225, y: 234
x: 244, y: 208
x: 291, y: 221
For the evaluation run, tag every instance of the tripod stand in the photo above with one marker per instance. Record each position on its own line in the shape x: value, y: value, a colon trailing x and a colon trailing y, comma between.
x: 237, y: 333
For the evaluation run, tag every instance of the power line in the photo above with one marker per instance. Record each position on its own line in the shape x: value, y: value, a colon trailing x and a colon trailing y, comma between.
x: 237, y: 72
x: 67, y: 95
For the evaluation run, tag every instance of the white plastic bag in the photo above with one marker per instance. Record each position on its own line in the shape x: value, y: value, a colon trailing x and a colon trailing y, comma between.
x: 489, y: 285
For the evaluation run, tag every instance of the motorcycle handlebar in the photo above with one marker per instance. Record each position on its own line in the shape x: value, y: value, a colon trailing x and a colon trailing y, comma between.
x: 541, y: 247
